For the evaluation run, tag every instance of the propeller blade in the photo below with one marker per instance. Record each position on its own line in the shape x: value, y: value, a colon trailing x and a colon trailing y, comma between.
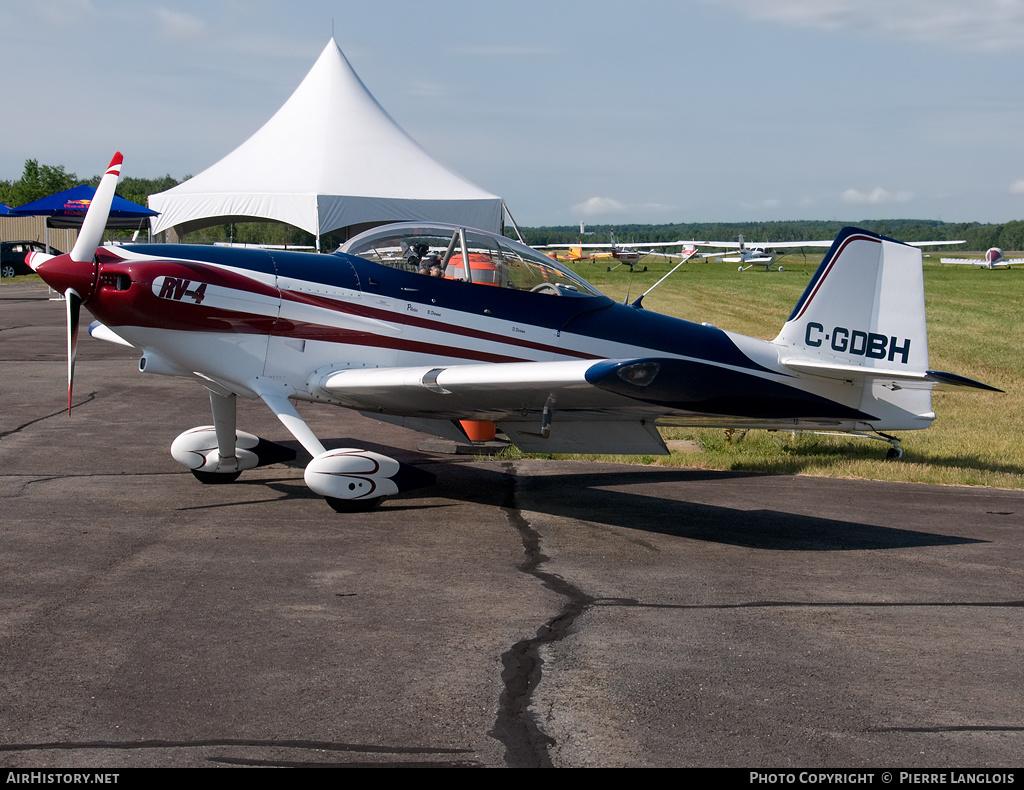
x: 74, y: 308
x: 91, y: 234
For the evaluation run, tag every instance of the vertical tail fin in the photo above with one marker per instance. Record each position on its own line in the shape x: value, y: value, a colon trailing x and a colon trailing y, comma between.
x: 864, y: 307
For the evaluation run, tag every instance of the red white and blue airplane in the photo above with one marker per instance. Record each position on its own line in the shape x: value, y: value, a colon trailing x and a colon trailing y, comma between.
x: 493, y: 331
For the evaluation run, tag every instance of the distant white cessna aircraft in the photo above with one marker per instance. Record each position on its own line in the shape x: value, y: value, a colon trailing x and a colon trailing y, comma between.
x: 993, y: 260
x: 764, y: 254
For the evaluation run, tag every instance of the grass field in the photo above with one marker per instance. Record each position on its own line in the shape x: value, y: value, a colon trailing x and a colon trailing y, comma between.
x: 975, y: 329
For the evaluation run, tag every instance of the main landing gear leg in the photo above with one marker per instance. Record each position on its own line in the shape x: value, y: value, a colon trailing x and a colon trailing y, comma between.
x: 225, y: 427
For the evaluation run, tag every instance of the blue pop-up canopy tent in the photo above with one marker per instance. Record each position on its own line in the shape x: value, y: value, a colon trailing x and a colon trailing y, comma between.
x: 67, y: 209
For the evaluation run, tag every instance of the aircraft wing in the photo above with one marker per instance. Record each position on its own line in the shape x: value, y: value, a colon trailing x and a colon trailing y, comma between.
x: 795, y: 245
x: 982, y: 263
x: 749, y: 245
x: 555, y: 407
x: 621, y: 246
x: 570, y: 245
x: 468, y: 391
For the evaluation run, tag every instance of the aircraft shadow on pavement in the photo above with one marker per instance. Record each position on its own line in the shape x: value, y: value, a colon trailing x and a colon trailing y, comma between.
x: 586, y: 496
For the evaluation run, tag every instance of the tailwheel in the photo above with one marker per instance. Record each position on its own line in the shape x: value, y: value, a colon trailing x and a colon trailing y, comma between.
x: 215, y: 478
x: 354, y: 505
x: 895, y: 452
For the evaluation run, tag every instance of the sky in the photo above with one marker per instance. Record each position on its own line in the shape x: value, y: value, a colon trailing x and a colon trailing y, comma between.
x: 599, y: 111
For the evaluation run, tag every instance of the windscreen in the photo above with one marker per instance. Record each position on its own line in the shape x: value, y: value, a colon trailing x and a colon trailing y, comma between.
x: 466, y: 254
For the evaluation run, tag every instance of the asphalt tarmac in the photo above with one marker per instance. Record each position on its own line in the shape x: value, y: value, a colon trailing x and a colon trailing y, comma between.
x: 519, y: 613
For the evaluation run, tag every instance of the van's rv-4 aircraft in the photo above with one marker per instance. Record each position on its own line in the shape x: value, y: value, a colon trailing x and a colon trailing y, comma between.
x: 504, y: 335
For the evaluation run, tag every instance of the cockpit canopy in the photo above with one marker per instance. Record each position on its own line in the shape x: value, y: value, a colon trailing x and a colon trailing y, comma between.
x: 476, y: 256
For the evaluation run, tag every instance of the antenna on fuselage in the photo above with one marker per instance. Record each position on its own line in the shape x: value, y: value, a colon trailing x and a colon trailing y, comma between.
x: 640, y: 298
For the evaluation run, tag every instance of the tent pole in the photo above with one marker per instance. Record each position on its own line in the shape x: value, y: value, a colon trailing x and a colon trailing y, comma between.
x: 512, y: 220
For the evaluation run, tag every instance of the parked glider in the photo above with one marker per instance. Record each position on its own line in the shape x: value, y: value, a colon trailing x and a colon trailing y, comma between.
x: 498, y: 333
x: 993, y: 260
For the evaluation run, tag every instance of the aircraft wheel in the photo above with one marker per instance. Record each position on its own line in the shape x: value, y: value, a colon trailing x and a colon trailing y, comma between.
x: 894, y: 454
x: 353, y: 505
x: 780, y: 268
x: 608, y: 269
x: 740, y: 269
x: 644, y: 269
x: 215, y: 478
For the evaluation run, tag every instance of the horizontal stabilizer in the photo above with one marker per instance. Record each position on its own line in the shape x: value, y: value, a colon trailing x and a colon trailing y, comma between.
x: 904, y: 379
x: 953, y: 380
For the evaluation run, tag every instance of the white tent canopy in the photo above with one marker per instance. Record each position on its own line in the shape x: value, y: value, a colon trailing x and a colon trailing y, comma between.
x: 330, y: 158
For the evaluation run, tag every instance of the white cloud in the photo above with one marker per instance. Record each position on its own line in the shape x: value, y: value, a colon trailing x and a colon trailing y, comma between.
x: 597, y: 206
x: 177, y: 25
x: 987, y: 25
x: 1017, y: 187
x: 605, y: 206
x: 877, y: 196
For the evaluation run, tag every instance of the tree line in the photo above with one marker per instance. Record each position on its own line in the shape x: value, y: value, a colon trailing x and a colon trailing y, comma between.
x: 38, y: 181
x: 977, y: 235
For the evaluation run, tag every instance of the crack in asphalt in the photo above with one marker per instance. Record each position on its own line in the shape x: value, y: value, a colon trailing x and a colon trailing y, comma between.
x: 516, y: 726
